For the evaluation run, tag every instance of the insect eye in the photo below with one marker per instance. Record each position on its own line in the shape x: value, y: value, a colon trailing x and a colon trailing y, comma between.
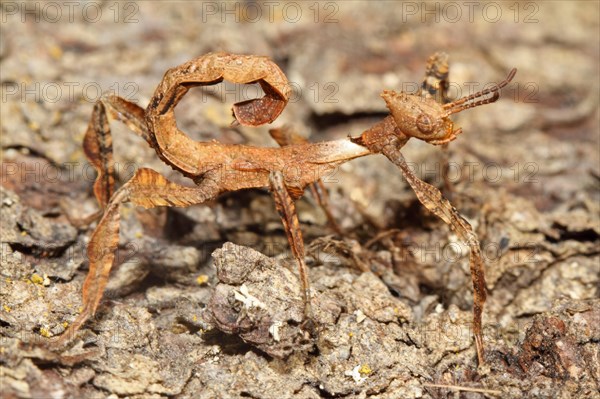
x: 424, y: 124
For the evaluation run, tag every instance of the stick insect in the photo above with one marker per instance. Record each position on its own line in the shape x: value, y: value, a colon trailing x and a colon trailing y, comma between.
x: 217, y: 168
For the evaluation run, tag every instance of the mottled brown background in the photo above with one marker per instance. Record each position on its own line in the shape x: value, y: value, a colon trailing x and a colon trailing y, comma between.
x: 525, y: 171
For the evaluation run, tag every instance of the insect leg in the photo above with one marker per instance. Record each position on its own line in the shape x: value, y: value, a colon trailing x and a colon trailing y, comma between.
x: 285, y: 136
x: 97, y: 146
x: 433, y: 200
x: 436, y: 84
x: 146, y: 188
x: 287, y: 210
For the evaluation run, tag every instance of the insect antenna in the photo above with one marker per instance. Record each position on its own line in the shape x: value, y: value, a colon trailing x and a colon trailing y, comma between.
x: 456, y: 106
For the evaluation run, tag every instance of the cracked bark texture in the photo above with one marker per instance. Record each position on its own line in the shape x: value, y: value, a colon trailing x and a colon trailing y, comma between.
x: 205, y: 301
